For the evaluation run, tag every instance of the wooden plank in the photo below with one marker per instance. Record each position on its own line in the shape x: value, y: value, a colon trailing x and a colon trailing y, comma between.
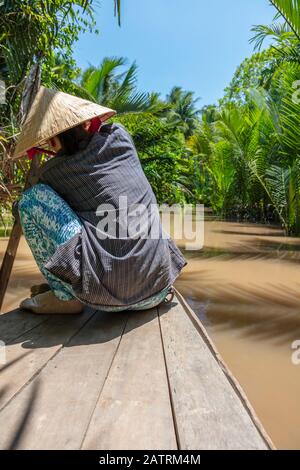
x: 59, y: 402
x: 29, y: 353
x: 134, y: 410
x: 17, y: 322
x: 209, y: 411
x: 231, y: 378
x: 9, y: 258
x: 31, y: 86
x: 15, y: 236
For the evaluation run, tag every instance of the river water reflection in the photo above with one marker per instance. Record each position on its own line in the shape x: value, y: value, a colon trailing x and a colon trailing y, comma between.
x: 245, y: 286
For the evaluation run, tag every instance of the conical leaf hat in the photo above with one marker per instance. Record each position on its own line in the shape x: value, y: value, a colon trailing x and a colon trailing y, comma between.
x: 53, y: 112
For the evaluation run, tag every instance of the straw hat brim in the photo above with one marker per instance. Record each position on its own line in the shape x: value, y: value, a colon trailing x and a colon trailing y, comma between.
x: 53, y: 112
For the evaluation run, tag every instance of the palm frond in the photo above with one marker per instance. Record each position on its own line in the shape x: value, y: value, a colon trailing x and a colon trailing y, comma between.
x: 278, y: 31
x: 118, y: 10
x: 290, y: 10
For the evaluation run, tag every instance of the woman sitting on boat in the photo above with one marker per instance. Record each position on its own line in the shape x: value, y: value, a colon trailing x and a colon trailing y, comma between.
x: 79, y: 191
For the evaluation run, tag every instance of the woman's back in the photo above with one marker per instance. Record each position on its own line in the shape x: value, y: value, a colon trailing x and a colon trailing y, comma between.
x: 99, y: 174
x: 100, y: 183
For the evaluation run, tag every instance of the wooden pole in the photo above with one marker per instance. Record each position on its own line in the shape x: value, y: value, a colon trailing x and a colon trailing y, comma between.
x: 31, y: 87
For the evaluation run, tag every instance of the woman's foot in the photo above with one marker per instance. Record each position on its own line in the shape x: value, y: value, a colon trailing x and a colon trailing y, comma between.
x: 39, y: 289
x: 48, y: 303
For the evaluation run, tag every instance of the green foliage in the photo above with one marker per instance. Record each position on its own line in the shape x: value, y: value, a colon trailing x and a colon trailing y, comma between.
x: 249, y: 146
x: 38, y: 31
x: 164, y: 156
x: 240, y: 157
x: 252, y: 150
x: 34, y: 31
x: 290, y: 10
x: 117, y: 89
x: 45, y: 31
x: 183, y: 112
x: 256, y: 71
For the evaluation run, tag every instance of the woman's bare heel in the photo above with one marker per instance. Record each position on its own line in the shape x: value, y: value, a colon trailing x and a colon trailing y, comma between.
x: 39, y: 289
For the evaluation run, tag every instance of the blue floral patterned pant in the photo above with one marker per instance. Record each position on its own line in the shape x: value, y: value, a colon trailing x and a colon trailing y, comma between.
x: 47, y: 222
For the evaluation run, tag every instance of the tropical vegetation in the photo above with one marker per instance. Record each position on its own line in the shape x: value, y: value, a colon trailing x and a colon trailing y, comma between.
x: 241, y: 156
x: 249, y: 144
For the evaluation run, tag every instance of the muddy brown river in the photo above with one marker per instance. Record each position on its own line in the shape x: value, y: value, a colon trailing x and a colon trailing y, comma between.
x: 245, y: 287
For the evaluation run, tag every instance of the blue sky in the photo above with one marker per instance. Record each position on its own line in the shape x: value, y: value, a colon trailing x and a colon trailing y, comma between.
x: 195, y: 44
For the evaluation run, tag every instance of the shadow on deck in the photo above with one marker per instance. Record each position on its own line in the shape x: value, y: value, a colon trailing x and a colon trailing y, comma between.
x: 129, y: 380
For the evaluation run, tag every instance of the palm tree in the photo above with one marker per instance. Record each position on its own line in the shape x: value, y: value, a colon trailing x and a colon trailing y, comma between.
x: 31, y: 32
x: 290, y: 10
x: 252, y: 152
x: 287, y: 46
x: 117, y: 89
x: 183, y: 111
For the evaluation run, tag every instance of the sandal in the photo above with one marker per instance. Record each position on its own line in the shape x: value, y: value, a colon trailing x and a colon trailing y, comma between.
x: 170, y: 295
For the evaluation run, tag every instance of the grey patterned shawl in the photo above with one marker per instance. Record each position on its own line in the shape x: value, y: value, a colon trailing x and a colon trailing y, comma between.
x: 113, y: 272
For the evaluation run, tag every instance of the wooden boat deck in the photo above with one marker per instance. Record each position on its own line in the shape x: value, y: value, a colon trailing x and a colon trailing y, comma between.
x: 136, y: 380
